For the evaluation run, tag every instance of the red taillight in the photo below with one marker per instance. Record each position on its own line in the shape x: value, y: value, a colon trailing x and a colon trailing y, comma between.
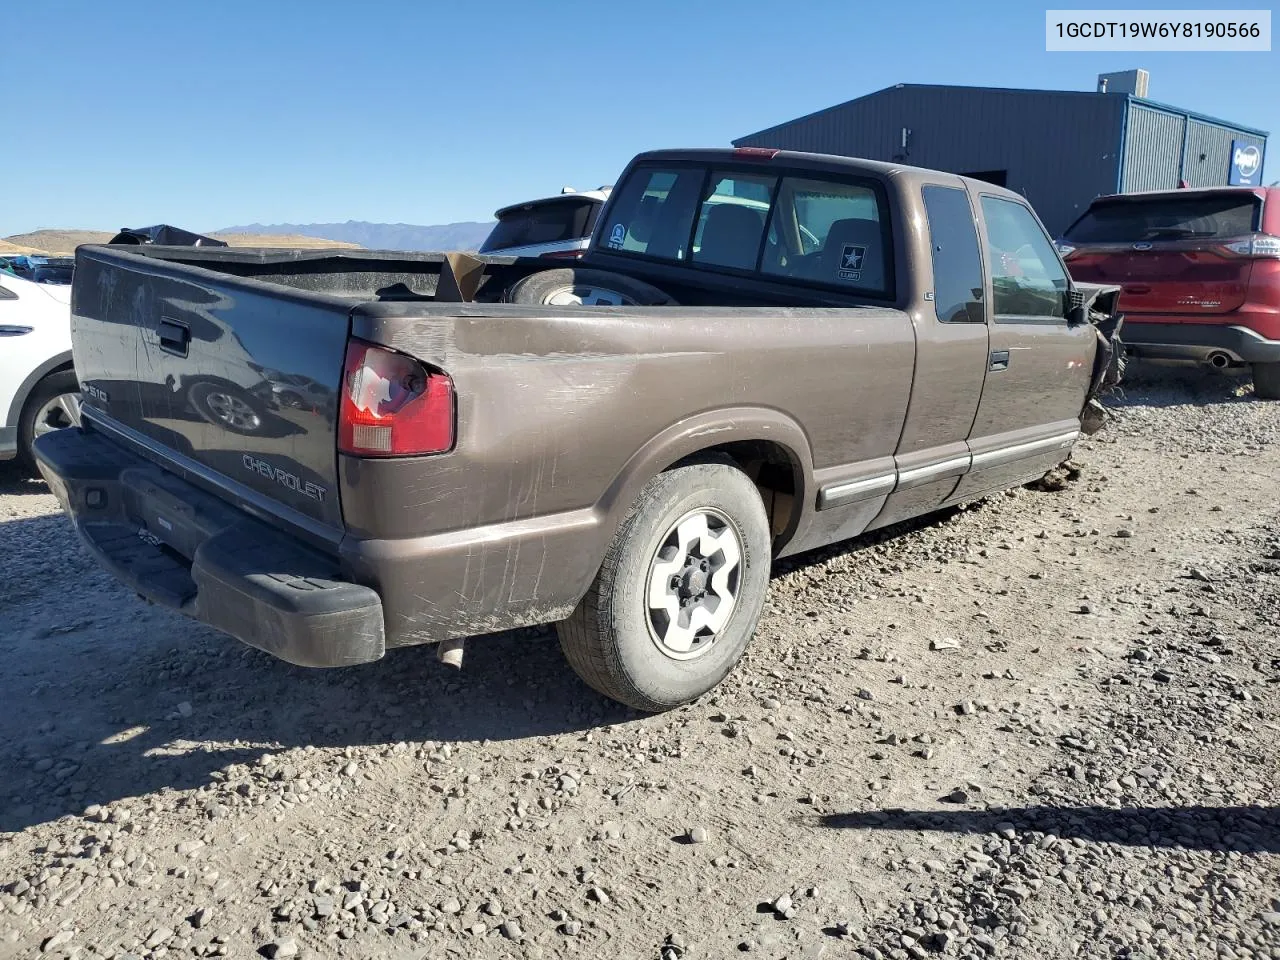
x: 760, y: 153
x: 392, y: 406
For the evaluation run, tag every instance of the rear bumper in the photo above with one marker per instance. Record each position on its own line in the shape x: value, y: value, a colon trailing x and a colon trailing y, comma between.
x: 8, y: 443
x: 181, y: 547
x: 1198, y: 341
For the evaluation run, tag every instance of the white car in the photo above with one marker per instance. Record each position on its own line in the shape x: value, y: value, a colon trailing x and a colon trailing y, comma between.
x: 38, y: 388
x: 558, y: 226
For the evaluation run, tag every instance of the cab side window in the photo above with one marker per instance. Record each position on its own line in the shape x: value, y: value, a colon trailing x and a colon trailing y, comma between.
x: 1027, y: 278
x: 957, y: 262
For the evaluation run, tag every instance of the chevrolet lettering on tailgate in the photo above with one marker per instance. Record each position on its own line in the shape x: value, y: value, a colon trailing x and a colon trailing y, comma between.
x: 285, y: 478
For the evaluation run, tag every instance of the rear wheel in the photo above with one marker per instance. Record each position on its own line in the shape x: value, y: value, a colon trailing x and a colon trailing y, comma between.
x: 54, y: 404
x: 576, y: 286
x: 679, y: 593
x: 1266, y: 381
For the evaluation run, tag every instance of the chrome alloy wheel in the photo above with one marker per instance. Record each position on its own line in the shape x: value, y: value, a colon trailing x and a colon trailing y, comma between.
x: 693, y: 584
x: 57, y: 413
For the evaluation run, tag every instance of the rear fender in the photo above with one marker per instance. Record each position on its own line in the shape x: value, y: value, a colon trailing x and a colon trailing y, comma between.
x: 704, y: 431
x: 62, y: 360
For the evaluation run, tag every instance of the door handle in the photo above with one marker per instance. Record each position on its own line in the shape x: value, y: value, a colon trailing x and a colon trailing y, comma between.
x: 999, y: 359
x: 175, y: 337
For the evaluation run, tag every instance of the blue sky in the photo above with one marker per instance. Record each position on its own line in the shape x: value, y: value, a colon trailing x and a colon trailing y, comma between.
x: 210, y: 114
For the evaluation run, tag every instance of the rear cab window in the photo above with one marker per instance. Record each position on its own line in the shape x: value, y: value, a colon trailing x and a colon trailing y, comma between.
x: 1137, y: 219
x: 792, y: 228
x: 553, y: 221
x: 831, y: 233
x: 732, y: 218
x: 652, y: 213
x: 1028, y: 281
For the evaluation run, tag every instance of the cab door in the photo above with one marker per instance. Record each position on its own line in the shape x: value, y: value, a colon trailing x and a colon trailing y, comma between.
x: 1037, y: 372
x: 951, y: 357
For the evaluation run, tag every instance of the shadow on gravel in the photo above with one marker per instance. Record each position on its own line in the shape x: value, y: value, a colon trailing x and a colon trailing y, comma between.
x: 1230, y: 829
x: 186, y: 702
x: 820, y: 555
x: 98, y: 683
x: 107, y: 698
x: 14, y: 480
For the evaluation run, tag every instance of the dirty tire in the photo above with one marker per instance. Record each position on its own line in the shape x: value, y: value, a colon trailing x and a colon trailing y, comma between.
x: 51, y: 386
x: 1266, y: 381
x: 568, y: 286
x: 610, y: 639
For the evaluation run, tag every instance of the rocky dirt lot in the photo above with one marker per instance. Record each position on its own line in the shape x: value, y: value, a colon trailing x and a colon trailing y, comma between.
x: 1047, y: 725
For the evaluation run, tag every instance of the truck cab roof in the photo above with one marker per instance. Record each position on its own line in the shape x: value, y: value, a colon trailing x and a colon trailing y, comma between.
x: 826, y: 162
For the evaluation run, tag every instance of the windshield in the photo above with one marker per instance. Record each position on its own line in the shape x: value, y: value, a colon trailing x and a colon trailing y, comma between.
x: 1212, y: 216
x: 552, y: 222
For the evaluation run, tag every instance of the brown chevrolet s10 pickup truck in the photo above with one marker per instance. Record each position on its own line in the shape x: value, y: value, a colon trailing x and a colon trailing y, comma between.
x: 330, y: 453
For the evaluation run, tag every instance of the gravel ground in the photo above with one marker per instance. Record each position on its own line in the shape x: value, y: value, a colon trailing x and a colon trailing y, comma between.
x: 1042, y: 726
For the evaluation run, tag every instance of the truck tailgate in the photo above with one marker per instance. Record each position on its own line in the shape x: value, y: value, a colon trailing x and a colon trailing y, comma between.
x: 237, y: 376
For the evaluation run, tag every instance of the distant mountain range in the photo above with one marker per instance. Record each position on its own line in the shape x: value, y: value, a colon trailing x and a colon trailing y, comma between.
x: 381, y: 236
x: 65, y: 241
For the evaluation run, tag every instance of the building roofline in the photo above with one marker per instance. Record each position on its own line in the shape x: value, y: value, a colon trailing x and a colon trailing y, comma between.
x: 1128, y: 97
x: 1193, y: 115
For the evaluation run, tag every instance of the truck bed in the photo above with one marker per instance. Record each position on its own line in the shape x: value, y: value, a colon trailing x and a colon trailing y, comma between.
x: 356, y: 275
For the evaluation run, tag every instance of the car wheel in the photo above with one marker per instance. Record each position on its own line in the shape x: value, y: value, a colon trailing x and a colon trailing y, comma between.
x: 1266, y: 381
x: 227, y: 407
x: 679, y: 593
x: 54, y: 404
x: 578, y: 286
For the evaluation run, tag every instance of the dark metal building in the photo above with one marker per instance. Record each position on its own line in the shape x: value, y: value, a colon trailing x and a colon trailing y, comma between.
x: 1058, y: 148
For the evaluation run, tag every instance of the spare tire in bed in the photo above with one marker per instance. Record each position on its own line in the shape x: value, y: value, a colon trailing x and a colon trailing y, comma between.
x: 572, y: 286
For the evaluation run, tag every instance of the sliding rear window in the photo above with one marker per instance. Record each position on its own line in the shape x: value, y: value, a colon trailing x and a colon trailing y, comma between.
x: 832, y: 233
x: 1204, y: 217
x: 652, y: 212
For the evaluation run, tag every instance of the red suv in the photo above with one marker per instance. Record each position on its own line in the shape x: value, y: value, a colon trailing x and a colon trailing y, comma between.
x: 1200, y: 272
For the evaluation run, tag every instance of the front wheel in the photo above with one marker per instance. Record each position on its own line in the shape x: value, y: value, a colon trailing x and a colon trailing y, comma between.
x: 1266, y: 381
x: 679, y: 593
